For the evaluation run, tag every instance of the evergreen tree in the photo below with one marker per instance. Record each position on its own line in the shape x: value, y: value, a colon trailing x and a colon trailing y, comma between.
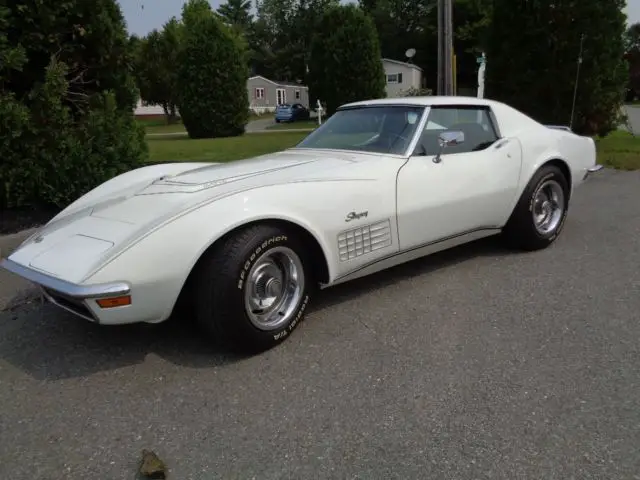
x: 236, y: 13
x: 345, y: 62
x: 532, y: 56
x: 212, y: 73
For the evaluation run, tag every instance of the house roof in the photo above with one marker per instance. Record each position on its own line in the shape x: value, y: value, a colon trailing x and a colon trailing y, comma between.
x: 278, y: 83
x: 397, y: 62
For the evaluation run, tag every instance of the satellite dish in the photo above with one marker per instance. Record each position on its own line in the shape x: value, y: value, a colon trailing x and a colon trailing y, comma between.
x: 410, y: 53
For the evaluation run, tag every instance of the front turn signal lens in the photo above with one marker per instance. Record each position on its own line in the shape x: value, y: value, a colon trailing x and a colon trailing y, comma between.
x: 114, y: 301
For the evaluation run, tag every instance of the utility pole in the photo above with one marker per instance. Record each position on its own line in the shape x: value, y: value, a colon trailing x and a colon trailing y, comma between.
x: 445, y: 47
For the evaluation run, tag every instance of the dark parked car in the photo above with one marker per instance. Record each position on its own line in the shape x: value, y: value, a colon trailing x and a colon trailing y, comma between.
x: 291, y: 113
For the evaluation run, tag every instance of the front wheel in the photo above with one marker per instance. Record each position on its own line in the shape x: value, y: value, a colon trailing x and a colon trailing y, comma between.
x: 253, y: 289
x: 539, y: 216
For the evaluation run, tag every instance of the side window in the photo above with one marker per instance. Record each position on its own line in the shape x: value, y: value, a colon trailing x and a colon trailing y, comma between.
x: 474, y: 121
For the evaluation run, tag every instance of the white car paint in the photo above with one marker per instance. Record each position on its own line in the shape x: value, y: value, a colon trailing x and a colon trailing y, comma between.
x: 464, y: 193
x: 142, y: 232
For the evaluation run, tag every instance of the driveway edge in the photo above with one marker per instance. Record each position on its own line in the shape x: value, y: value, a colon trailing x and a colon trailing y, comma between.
x: 8, y: 243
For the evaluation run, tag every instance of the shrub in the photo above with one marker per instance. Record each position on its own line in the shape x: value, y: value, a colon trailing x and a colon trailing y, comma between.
x: 345, y: 62
x: 67, y: 104
x: 212, y: 73
x: 417, y: 92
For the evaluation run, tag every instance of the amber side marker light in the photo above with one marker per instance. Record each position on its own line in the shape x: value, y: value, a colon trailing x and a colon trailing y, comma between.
x: 114, y: 301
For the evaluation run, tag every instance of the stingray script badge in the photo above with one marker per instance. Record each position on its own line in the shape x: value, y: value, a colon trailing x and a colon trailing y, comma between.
x: 356, y: 216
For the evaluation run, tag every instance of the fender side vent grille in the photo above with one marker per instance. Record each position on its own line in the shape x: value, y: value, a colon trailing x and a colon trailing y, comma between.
x: 365, y: 239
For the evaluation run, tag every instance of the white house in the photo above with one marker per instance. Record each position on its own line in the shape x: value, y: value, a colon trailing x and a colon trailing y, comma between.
x: 401, y: 76
x: 144, y: 110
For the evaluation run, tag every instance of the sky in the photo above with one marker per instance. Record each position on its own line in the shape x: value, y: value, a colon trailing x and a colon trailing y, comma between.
x: 156, y: 12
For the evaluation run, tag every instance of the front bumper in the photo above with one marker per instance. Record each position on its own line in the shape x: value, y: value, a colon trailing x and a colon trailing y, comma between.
x: 69, y: 296
x: 591, y: 170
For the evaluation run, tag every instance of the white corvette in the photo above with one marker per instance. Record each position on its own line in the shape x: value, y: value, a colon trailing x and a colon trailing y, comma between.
x: 246, y: 243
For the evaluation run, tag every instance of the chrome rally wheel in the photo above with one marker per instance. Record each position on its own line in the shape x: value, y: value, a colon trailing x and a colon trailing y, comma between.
x: 548, y: 206
x: 274, y: 288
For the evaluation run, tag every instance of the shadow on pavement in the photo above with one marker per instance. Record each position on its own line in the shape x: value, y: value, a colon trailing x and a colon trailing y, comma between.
x: 50, y: 345
x: 491, y: 247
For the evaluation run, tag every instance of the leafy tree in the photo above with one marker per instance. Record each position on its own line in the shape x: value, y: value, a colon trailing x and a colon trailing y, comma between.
x: 262, y: 55
x: 212, y: 73
x: 532, y: 56
x: 472, y: 21
x: 632, y: 55
x: 66, y: 102
x: 404, y: 24
x: 283, y: 34
x: 632, y: 38
x: 156, y: 56
x: 345, y: 63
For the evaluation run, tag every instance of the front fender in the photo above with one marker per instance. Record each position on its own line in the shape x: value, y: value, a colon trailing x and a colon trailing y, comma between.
x: 161, y: 261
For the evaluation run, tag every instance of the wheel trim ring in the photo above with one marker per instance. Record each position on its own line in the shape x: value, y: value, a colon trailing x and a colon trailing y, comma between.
x: 548, y: 207
x: 281, y: 309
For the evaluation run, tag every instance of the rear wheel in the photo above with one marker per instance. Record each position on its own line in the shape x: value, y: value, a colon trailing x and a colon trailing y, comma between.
x: 539, y: 216
x: 253, y: 289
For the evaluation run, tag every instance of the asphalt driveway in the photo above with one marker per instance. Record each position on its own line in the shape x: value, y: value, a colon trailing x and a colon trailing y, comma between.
x: 476, y: 363
x: 633, y: 113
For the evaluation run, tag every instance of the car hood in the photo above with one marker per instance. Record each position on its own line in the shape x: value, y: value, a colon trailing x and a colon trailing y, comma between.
x: 74, y: 244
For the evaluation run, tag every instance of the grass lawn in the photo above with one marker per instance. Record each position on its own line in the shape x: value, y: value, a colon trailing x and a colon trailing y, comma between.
x: 619, y: 150
x: 183, y: 149
x: 158, y: 125
x: 294, y: 125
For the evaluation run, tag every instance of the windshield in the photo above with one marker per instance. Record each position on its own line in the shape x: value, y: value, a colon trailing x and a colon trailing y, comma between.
x: 380, y: 129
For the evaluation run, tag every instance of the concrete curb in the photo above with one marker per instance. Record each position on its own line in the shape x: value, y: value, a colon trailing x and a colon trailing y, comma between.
x: 8, y: 243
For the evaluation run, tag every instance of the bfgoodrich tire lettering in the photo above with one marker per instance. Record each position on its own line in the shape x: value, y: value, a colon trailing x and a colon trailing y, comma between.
x: 540, y: 213
x: 253, y: 289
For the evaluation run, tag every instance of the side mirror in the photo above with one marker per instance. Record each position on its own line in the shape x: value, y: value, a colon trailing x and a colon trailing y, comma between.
x: 448, y: 139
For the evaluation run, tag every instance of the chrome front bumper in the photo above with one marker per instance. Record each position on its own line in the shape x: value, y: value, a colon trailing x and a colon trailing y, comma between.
x: 67, y: 295
x: 591, y: 170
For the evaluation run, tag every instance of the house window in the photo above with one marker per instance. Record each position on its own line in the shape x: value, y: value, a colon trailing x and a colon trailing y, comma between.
x: 259, y: 92
x: 297, y: 94
x: 394, y: 78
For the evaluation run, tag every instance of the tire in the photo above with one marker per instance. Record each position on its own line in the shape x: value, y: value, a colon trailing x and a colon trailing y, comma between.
x: 247, y: 267
x: 534, y: 224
